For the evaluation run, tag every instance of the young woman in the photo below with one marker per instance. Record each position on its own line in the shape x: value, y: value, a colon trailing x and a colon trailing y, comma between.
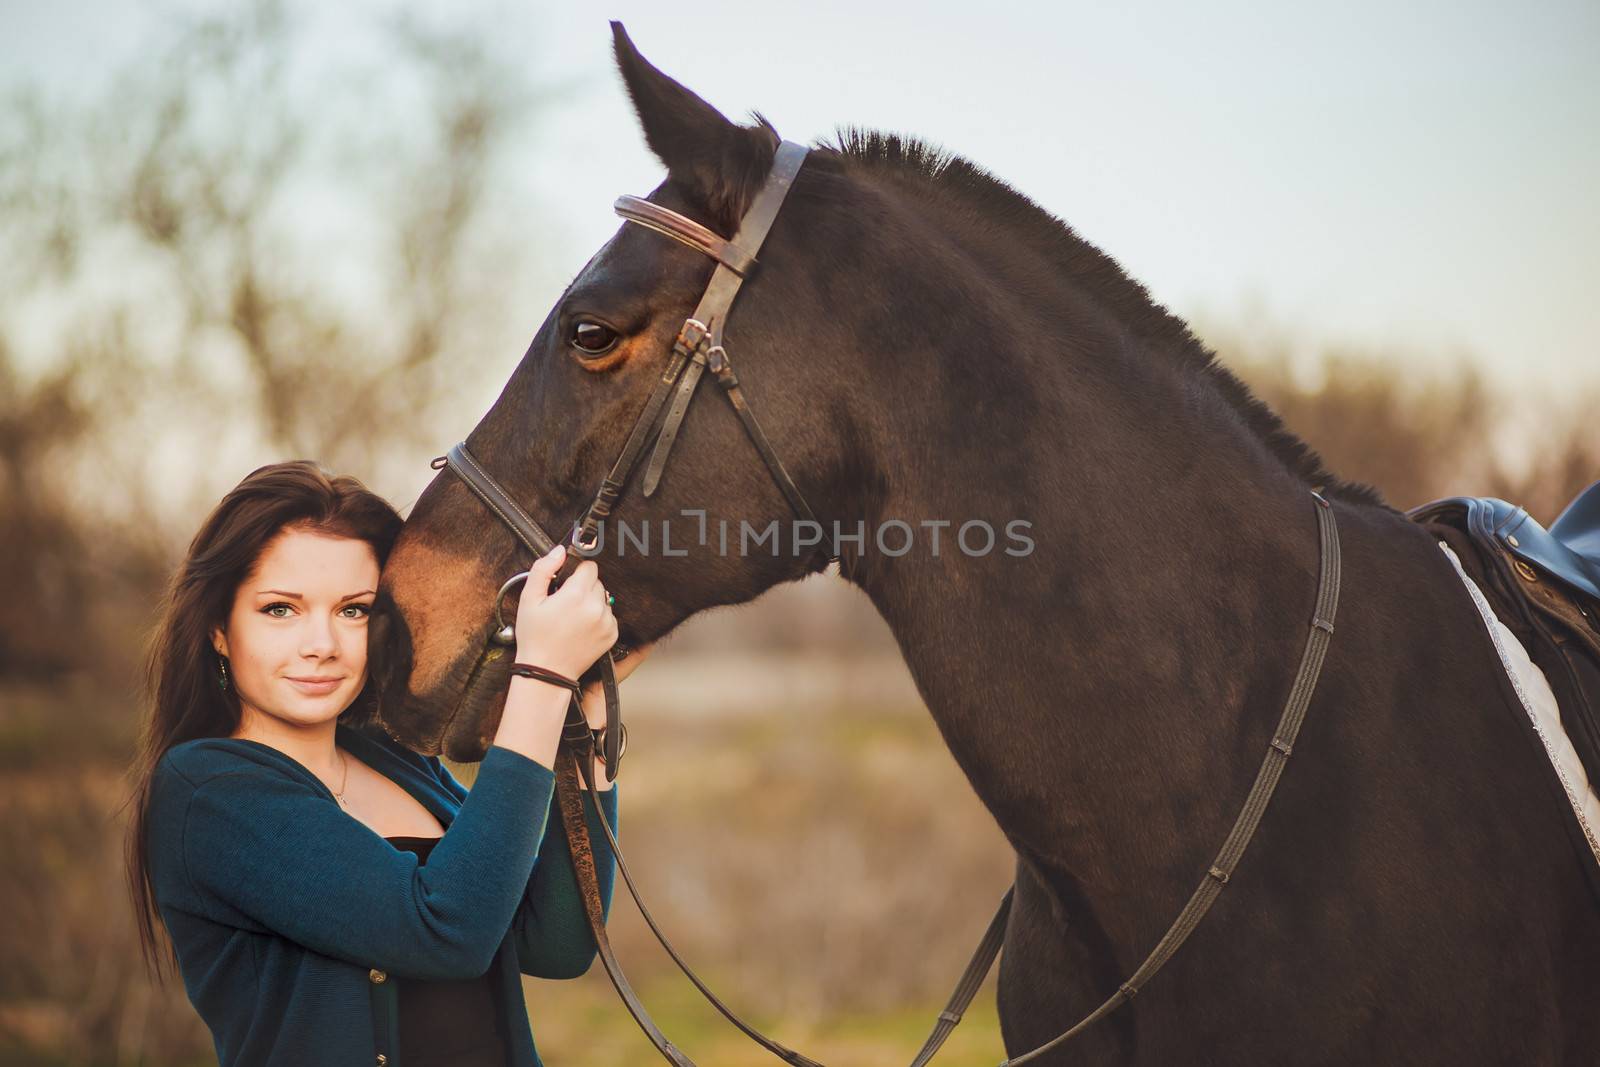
x: 332, y: 897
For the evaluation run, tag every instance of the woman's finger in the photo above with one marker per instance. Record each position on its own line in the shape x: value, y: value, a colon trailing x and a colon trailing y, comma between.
x: 582, y: 579
x: 541, y: 574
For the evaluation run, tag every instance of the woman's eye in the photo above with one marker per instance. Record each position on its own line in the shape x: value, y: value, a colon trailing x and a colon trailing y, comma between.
x: 275, y: 612
x: 592, y: 338
x: 361, y: 610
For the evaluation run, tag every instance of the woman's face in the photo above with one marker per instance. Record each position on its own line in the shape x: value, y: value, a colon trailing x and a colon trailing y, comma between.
x: 296, y: 638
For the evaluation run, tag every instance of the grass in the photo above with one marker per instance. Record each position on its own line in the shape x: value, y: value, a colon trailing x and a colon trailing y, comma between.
x: 585, y: 1023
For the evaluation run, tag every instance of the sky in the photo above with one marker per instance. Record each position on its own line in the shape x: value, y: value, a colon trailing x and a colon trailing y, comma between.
x: 1411, y: 177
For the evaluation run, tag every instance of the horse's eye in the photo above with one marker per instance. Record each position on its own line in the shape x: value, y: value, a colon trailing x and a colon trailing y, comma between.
x: 592, y: 338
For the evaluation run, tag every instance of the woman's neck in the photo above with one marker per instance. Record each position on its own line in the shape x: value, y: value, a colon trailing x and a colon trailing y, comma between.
x: 312, y: 745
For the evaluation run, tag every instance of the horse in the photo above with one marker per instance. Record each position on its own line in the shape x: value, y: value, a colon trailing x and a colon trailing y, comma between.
x: 930, y: 349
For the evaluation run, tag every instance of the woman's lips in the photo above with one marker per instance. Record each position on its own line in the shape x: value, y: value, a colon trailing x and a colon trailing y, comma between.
x: 315, y: 688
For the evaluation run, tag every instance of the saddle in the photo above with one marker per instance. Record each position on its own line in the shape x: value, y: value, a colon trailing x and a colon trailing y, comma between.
x: 1544, y: 585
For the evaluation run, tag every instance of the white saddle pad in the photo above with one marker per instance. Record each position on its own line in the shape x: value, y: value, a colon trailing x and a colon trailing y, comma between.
x: 1540, y: 704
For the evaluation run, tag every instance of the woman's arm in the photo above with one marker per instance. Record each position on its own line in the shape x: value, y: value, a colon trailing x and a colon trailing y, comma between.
x: 263, y: 850
x: 551, y: 929
x: 272, y: 850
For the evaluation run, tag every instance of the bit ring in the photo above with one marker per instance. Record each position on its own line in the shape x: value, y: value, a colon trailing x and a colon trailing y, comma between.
x: 504, y: 632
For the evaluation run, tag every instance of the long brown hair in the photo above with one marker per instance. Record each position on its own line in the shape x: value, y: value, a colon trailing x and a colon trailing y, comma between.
x: 185, y: 700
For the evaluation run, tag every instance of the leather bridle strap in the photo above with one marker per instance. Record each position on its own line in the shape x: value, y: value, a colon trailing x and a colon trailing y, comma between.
x: 530, y: 533
x: 1211, y: 884
x: 983, y: 958
x: 699, y: 343
x: 697, y: 346
x: 569, y: 800
x: 704, y: 346
x: 569, y: 797
x: 1255, y: 804
x: 467, y: 467
x: 680, y: 228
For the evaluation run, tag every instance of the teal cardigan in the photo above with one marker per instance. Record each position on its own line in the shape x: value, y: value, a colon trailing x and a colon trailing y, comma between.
x: 296, y: 925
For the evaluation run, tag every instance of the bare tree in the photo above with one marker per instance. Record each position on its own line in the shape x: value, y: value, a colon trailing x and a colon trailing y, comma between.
x: 241, y: 252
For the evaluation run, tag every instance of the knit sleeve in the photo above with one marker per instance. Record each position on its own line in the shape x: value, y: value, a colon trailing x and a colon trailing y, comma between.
x: 274, y: 851
x: 551, y: 931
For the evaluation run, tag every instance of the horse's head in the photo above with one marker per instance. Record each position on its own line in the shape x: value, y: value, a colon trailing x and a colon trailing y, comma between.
x: 571, y: 404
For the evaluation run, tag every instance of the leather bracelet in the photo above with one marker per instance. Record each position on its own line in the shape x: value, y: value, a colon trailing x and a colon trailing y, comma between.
x: 544, y: 674
x: 575, y: 719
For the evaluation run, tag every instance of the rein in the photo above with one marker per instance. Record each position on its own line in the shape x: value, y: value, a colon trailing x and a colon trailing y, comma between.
x: 698, y: 346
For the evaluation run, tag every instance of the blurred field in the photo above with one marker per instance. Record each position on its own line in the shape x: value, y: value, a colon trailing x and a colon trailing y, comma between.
x: 824, y: 867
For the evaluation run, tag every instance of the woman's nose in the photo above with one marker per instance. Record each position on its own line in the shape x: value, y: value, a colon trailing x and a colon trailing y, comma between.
x: 319, y: 638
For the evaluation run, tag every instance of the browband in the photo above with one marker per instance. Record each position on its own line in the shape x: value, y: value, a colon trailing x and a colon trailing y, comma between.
x: 738, y: 254
x: 683, y: 229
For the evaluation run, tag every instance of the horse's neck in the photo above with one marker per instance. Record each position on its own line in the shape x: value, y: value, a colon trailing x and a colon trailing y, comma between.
x: 1105, y: 694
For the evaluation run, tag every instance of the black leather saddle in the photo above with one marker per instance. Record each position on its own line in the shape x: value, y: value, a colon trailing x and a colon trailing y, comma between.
x: 1545, y: 586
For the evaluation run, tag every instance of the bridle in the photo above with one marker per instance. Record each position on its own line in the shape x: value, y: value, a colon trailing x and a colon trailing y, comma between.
x: 699, y: 346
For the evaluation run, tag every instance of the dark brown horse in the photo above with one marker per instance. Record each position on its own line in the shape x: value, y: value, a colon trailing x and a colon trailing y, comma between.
x: 925, y: 345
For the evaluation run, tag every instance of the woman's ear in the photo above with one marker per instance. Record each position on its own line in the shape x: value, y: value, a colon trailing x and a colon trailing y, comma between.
x: 219, y: 640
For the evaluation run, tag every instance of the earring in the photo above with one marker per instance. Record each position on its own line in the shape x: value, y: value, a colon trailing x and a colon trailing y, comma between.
x: 222, y: 672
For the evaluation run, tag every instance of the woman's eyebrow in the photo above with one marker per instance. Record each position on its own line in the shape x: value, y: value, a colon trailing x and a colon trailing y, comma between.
x: 298, y: 596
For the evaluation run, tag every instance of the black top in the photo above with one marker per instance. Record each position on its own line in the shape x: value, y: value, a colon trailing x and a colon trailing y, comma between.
x: 457, y: 1023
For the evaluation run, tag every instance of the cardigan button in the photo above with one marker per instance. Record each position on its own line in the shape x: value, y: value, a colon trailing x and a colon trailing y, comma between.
x: 377, y: 976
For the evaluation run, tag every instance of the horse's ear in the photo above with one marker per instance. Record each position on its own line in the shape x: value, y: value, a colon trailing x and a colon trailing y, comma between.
x: 718, y: 164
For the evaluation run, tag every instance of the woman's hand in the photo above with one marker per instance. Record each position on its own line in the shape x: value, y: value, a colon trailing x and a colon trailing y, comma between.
x: 594, y: 694
x: 569, y: 629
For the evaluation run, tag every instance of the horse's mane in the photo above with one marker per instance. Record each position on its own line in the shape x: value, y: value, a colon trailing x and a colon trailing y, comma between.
x: 1101, y: 277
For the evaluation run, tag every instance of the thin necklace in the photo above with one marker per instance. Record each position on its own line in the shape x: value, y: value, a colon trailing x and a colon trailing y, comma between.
x: 338, y: 794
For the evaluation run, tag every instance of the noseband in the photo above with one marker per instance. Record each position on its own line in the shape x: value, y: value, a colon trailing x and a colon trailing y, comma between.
x: 698, y: 346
